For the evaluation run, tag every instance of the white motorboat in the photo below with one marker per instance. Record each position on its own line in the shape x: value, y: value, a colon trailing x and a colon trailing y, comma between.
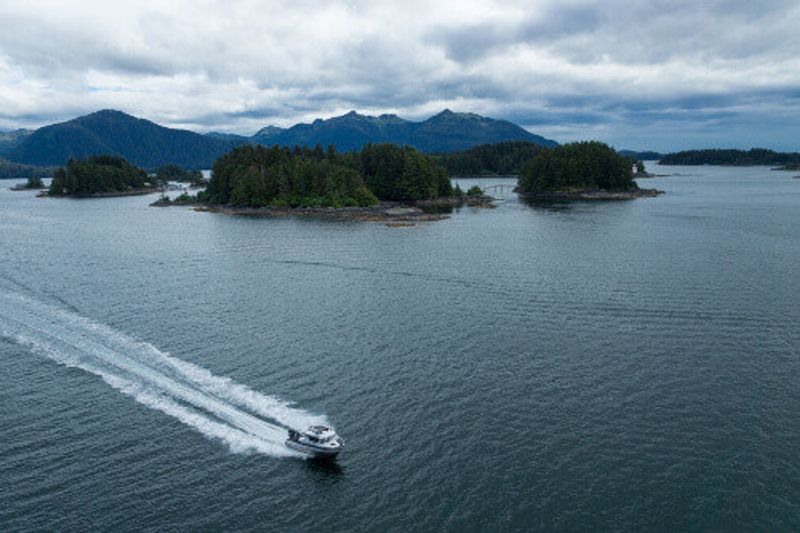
x: 317, y: 441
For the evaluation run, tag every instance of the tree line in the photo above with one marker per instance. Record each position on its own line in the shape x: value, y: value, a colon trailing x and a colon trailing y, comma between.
x: 506, y: 157
x: 312, y: 177
x: 258, y: 176
x: 10, y: 170
x: 171, y: 172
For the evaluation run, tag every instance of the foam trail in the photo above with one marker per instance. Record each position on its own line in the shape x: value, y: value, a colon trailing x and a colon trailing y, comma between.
x: 217, y: 407
x: 222, y: 387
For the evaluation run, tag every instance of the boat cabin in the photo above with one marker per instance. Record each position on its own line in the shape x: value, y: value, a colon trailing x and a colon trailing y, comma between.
x: 314, y: 434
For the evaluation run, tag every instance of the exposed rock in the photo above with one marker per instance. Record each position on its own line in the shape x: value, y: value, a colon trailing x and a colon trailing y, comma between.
x: 592, y: 194
x: 379, y: 213
x: 131, y: 192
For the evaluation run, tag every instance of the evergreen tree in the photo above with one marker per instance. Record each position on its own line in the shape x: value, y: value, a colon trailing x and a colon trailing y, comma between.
x: 583, y: 165
x: 256, y: 176
x: 507, y: 157
x: 97, y: 174
x: 259, y: 176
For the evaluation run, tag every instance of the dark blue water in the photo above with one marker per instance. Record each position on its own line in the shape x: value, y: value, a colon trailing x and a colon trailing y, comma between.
x: 627, y: 365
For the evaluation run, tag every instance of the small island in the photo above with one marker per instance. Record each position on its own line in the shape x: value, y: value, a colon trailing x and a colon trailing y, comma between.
x: 101, y: 176
x: 382, y: 182
x: 581, y: 171
x: 34, y: 183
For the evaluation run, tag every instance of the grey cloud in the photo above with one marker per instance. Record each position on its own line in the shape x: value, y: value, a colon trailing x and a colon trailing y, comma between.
x: 664, y: 71
x: 473, y: 42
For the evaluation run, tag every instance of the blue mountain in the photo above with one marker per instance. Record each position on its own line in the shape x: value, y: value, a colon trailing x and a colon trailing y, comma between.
x: 149, y: 145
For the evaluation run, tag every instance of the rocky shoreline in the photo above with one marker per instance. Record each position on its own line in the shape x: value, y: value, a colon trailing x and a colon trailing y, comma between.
x: 648, y: 175
x: 392, y: 213
x: 591, y: 194
x: 132, y: 192
x: 457, y: 201
x: 23, y: 187
x: 381, y: 213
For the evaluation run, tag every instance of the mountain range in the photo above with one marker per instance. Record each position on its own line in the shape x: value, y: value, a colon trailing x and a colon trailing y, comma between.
x: 444, y: 132
x: 149, y: 145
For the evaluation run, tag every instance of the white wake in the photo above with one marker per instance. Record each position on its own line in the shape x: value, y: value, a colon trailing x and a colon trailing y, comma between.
x: 218, y: 407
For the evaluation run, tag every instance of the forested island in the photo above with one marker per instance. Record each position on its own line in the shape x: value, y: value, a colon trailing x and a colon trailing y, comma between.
x: 33, y: 183
x: 101, y: 175
x: 256, y: 176
x: 510, y: 157
x: 737, y: 158
x: 380, y: 182
x: 580, y: 171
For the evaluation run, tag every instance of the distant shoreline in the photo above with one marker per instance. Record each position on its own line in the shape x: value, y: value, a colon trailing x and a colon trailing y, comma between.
x: 479, y: 176
x: 24, y: 187
x: 648, y: 175
x: 389, y: 212
x: 132, y: 192
x: 591, y: 194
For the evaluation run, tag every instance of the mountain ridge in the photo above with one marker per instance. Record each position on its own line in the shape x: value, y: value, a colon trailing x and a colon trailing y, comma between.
x: 446, y: 131
x: 140, y: 141
x: 9, y: 140
x: 149, y: 145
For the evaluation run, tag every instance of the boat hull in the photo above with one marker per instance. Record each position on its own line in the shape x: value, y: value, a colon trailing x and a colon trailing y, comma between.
x: 313, y: 451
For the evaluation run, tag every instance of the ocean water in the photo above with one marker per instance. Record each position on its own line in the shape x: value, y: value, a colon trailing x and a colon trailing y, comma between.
x: 626, y: 366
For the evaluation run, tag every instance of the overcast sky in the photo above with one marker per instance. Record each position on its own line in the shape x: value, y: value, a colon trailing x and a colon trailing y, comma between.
x: 657, y: 74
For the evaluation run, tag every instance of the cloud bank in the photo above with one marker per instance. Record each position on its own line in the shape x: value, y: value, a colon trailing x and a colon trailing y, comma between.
x: 662, y: 74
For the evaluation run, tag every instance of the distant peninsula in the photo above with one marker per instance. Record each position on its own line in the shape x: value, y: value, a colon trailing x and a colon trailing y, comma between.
x: 736, y: 158
x: 647, y: 155
x: 10, y: 170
